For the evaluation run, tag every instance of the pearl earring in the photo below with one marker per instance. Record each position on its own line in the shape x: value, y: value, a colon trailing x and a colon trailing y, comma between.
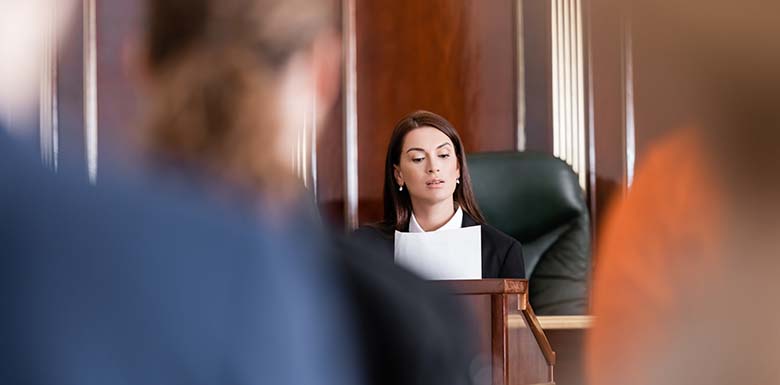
x: 457, y: 181
x: 401, y: 188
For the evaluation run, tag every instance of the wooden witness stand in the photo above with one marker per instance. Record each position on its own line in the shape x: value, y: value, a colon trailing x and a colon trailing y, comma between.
x: 509, y: 332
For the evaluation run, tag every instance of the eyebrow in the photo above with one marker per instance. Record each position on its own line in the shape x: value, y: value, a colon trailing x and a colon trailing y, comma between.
x: 420, y: 149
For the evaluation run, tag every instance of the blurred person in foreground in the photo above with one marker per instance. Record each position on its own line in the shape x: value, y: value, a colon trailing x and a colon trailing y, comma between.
x: 227, y: 83
x: 686, y: 282
x: 144, y: 281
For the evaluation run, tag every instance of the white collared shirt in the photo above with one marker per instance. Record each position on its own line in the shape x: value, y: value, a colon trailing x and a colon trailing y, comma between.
x: 454, y: 223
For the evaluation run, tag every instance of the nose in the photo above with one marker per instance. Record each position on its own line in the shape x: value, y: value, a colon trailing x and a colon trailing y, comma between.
x: 433, y: 168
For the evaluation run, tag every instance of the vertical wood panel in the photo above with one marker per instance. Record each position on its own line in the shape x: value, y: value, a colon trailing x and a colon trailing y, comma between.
x: 500, y: 343
x: 330, y: 167
x: 330, y: 153
x: 568, y: 103
x: 607, y: 104
x: 663, y: 98
x: 455, y: 58
x: 519, y: 78
x: 538, y: 75
x: 570, y: 355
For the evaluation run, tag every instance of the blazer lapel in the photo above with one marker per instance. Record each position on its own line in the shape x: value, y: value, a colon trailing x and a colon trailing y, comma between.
x: 468, y: 221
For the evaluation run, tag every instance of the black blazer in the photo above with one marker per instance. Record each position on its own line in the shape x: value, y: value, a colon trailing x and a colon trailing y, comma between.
x: 502, y: 255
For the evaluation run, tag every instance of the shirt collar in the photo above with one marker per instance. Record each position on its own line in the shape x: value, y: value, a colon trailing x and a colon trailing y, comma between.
x: 454, y: 223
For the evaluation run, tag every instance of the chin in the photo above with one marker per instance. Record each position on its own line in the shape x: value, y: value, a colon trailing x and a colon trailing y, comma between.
x: 434, y: 197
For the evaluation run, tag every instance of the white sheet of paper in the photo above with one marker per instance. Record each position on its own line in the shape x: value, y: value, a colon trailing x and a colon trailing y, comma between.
x: 446, y: 254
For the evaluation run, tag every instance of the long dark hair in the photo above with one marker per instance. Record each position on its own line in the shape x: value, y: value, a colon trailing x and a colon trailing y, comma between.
x: 398, y: 204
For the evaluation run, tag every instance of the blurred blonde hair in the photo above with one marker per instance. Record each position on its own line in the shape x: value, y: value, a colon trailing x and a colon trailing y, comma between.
x: 215, y: 67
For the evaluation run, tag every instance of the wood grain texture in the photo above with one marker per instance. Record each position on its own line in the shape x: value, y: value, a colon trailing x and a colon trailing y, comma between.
x: 569, y: 345
x: 330, y: 155
x: 538, y: 76
x: 452, y: 57
x: 607, y: 101
x: 484, y: 286
x: 499, y: 340
x: 536, y: 329
x: 330, y: 166
x: 566, y: 322
x: 518, y: 354
x: 530, y: 358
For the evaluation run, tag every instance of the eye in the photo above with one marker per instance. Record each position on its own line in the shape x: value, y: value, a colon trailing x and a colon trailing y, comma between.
x: 444, y: 156
x: 418, y: 160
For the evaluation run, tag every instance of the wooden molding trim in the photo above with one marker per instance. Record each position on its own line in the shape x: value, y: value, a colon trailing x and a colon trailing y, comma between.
x: 566, y: 322
x: 538, y: 332
x: 485, y: 286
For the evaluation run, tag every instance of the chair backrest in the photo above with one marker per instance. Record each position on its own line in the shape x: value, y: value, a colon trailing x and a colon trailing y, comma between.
x: 536, y: 198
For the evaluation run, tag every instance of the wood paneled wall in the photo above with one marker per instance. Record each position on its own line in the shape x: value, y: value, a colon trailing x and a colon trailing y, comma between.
x: 452, y: 57
x: 330, y: 167
x: 606, y: 36
x: 537, y: 68
x: 626, y: 73
x: 457, y: 58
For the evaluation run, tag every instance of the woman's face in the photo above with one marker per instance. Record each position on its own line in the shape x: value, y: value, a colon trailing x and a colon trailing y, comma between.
x: 428, y: 167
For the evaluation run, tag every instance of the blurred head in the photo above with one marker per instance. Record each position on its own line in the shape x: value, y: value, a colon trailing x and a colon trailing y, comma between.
x: 25, y: 28
x: 713, y: 62
x: 714, y: 65
x: 425, y: 157
x: 230, y: 81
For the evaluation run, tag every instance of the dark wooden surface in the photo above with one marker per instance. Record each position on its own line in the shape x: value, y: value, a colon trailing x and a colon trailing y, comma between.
x: 453, y: 57
x: 533, y: 324
x: 330, y: 154
x: 538, y: 76
x: 500, y: 339
x: 605, y: 34
x: 526, y: 365
x: 569, y: 345
x: 519, y: 354
x: 567, y: 335
x: 485, y: 286
x: 330, y: 166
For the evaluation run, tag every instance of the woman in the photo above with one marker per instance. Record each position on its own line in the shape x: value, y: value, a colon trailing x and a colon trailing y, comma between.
x: 427, y: 188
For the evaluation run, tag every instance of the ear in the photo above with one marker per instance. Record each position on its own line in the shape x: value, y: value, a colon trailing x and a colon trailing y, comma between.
x: 399, y: 178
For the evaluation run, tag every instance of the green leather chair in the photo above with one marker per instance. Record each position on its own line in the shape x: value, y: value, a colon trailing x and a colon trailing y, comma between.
x: 536, y: 198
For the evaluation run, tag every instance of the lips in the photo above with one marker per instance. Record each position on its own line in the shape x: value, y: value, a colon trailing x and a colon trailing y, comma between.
x: 434, y: 182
